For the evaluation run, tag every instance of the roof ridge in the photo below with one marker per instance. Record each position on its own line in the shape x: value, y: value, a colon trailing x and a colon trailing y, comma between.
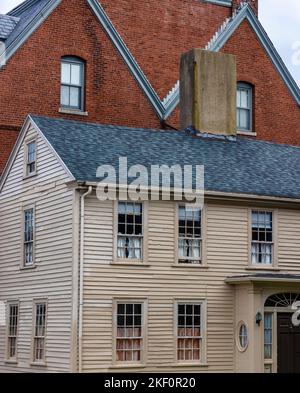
x: 22, y: 7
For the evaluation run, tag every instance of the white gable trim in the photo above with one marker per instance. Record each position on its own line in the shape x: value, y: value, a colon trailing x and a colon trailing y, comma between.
x: 29, y: 123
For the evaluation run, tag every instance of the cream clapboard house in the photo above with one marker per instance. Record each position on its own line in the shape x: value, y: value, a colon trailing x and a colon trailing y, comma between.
x: 219, y: 297
x: 94, y: 285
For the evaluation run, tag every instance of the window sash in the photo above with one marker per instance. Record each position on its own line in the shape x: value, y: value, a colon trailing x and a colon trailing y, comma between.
x: 28, y: 242
x: 130, y: 236
x: 39, y: 332
x: 69, y: 84
x: 12, y: 333
x: 189, y: 235
x: 31, y: 158
x: 189, y: 335
x: 268, y: 336
x: 129, y: 336
x: 262, y: 244
x: 244, y: 107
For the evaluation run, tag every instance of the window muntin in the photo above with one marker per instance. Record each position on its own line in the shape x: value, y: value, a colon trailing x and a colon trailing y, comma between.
x: 39, y: 332
x: 244, y: 107
x: 129, y: 339
x: 13, y: 322
x: 72, y: 83
x: 31, y: 158
x: 189, y: 332
x: 29, y: 228
x: 130, y: 231
x: 262, y: 238
x: 268, y: 336
x: 189, y: 235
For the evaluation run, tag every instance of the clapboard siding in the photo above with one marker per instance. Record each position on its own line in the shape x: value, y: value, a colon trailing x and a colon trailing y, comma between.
x: 52, y: 277
x: 227, y: 244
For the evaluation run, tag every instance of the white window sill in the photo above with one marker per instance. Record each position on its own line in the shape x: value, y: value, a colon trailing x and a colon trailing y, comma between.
x: 12, y: 362
x: 188, y: 364
x: 263, y: 267
x: 73, y: 112
x: 38, y: 364
x: 124, y: 365
x: 25, y: 177
x: 130, y: 263
x: 248, y: 133
x: 28, y: 267
x: 192, y: 265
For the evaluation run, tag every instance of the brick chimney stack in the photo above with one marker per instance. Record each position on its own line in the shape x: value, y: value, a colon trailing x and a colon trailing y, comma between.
x: 253, y: 3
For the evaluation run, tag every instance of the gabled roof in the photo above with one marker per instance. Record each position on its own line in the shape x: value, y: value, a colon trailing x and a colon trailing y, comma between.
x: 237, y: 166
x: 33, y: 12
x: 7, y: 25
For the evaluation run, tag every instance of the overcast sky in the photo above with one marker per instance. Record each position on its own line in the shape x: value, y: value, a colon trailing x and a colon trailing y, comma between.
x: 280, y: 18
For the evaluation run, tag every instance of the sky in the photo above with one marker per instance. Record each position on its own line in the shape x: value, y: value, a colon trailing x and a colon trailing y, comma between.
x: 280, y: 18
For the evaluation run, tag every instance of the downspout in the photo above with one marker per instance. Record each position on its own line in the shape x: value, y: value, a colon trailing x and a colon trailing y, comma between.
x: 81, y: 274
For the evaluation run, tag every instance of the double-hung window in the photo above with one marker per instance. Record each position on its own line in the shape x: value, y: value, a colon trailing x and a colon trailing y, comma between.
x: 29, y: 232
x: 244, y: 107
x: 39, y: 332
x: 12, y: 336
x: 262, y: 246
x: 190, y: 235
x: 130, y: 332
x: 72, y: 83
x: 30, y: 158
x: 189, y: 332
x: 130, y: 231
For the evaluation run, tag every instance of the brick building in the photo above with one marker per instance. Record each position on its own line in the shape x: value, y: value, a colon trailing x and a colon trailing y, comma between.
x: 130, y: 54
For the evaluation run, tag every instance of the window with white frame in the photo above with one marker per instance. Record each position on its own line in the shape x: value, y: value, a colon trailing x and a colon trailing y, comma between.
x: 262, y: 238
x: 268, y: 333
x: 189, y: 332
x: 130, y: 231
x: 244, y: 107
x: 39, y: 332
x: 129, y: 338
x: 29, y: 230
x: 12, y: 333
x: 72, y: 83
x: 31, y: 158
x: 189, y: 235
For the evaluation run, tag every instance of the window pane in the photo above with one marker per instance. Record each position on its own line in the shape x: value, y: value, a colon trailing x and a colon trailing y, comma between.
x: 76, y: 74
x: 244, y: 119
x: 65, y: 73
x: 65, y: 96
x: 75, y: 97
x: 244, y: 103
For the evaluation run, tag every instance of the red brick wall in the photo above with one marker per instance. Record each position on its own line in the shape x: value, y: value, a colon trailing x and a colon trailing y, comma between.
x: 7, y: 141
x: 253, y: 3
x: 276, y: 113
x: 156, y: 32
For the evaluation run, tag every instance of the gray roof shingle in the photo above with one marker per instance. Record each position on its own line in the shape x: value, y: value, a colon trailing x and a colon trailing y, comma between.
x: 7, y: 25
x: 243, y: 166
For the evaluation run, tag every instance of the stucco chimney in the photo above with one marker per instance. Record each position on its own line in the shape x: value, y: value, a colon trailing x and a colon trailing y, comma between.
x: 208, y: 92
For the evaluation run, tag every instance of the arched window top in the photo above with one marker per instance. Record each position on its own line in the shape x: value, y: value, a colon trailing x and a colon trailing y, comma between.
x: 244, y: 106
x: 72, y: 83
x: 282, y: 299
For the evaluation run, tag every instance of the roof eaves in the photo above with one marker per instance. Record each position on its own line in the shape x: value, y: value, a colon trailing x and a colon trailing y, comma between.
x: 29, y: 29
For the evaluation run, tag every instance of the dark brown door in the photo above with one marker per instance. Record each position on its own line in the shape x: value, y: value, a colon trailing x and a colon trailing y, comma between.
x: 288, y: 341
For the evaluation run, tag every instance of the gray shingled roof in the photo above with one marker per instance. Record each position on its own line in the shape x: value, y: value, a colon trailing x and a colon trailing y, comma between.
x: 243, y: 166
x: 26, y: 12
x: 7, y: 25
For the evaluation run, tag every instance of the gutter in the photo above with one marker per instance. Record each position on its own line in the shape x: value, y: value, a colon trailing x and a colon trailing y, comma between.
x: 81, y: 274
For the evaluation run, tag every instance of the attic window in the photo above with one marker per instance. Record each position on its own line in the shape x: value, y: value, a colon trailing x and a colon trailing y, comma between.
x: 244, y: 107
x: 72, y: 83
x: 31, y: 158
